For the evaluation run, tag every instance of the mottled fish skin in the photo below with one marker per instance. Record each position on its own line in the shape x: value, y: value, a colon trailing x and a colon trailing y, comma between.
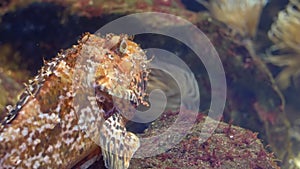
x: 45, y: 128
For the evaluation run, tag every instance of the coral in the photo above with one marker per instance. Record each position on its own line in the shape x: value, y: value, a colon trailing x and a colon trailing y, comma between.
x: 241, y: 15
x: 285, y: 34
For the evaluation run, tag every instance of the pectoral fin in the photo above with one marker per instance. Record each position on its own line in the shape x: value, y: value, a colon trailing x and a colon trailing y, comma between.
x: 117, y: 145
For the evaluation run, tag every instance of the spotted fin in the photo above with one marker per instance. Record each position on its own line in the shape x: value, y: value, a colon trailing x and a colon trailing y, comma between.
x: 117, y: 145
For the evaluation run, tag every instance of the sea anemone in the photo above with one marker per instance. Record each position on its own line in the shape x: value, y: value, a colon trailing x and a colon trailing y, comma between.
x: 241, y: 16
x: 285, y: 33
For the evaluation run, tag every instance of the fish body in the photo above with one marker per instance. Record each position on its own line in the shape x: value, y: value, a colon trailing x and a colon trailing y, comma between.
x: 55, y: 124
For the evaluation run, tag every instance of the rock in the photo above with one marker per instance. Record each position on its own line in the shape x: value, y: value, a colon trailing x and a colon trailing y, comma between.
x: 228, y: 147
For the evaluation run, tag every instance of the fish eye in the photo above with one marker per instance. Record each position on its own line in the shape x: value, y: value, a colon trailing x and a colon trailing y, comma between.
x: 110, y: 56
x: 123, y: 46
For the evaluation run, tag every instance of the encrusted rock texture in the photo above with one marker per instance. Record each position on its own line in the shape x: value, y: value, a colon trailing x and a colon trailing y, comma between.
x: 228, y: 147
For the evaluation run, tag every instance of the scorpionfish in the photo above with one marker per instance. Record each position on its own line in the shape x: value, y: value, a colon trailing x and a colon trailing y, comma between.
x: 79, y: 101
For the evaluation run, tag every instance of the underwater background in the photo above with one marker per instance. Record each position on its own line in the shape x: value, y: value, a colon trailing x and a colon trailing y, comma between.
x: 257, y: 41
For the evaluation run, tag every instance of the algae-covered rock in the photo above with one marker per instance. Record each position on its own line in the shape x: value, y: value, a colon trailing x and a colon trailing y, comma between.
x: 228, y: 147
x: 95, y: 8
x: 12, y: 77
x: 9, y: 90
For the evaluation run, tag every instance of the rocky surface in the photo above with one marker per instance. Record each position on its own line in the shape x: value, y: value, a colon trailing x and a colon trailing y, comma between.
x: 228, y: 147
